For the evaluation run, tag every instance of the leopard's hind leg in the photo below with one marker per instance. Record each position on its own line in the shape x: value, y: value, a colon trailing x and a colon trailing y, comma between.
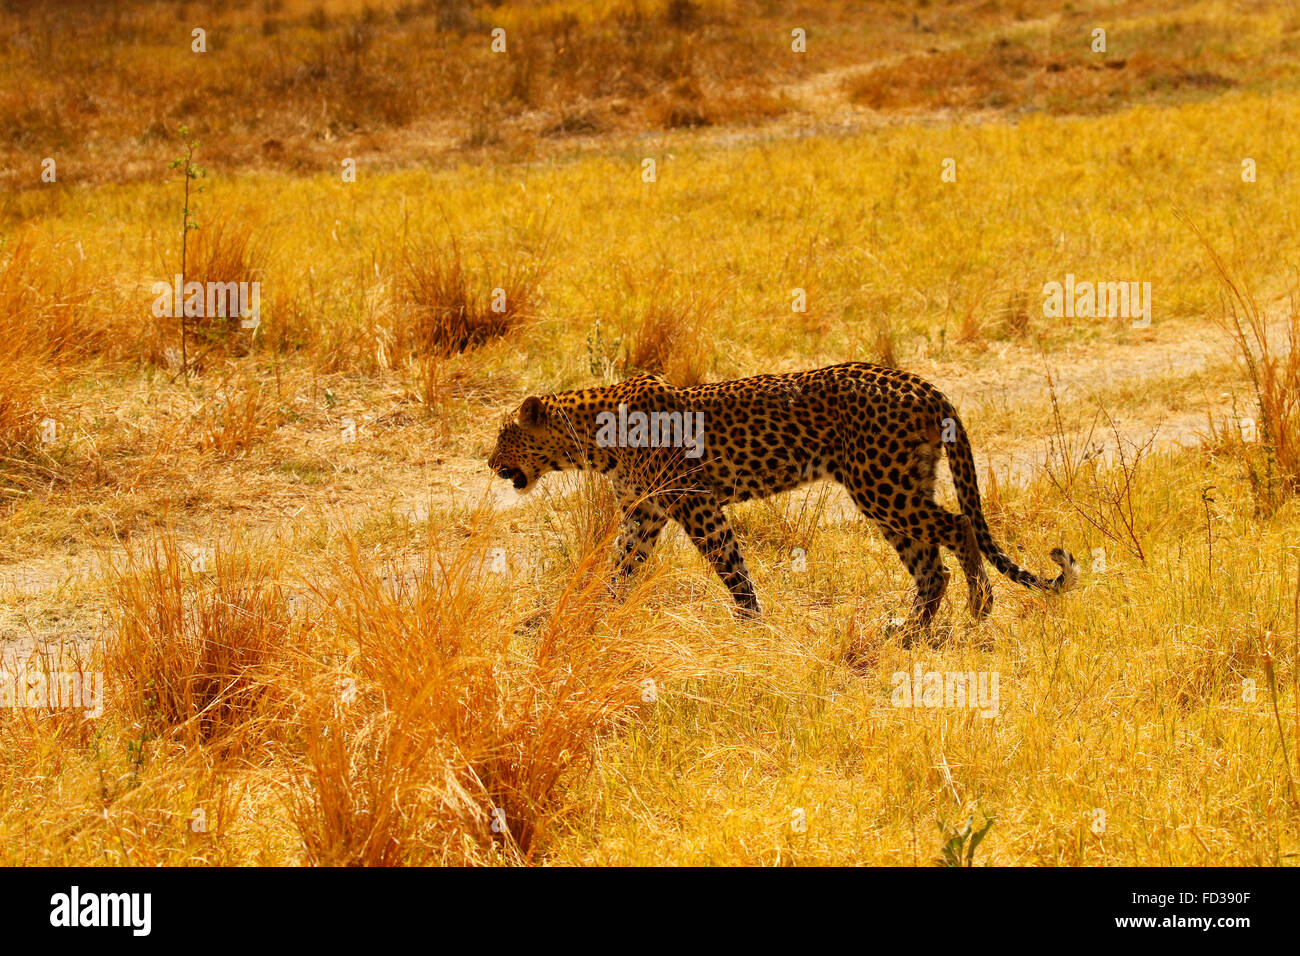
x: 929, y: 575
x: 906, y: 512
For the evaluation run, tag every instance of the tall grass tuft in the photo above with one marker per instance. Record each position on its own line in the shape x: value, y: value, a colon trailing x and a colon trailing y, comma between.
x: 445, y: 307
x: 203, y: 645
x: 225, y: 248
x: 1267, y: 349
x: 672, y: 337
x: 54, y: 317
x: 52, y: 311
x: 19, y: 378
x: 238, y: 416
x: 466, y: 713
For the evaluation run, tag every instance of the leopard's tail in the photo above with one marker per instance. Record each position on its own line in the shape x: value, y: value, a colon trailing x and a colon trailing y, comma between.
x: 961, y: 462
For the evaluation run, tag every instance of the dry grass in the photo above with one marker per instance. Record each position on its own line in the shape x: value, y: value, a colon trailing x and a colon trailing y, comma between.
x: 353, y: 73
x: 53, y: 311
x: 19, y: 419
x: 1273, y: 366
x: 1057, y: 70
x: 445, y: 307
x: 203, y: 645
x: 1266, y: 349
x: 225, y: 249
x: 461, y: 729
x: 55, y: 318
x: 391, y: 81
x: 1101, y: 489
x: 672, y: 337
x: 237, y: 417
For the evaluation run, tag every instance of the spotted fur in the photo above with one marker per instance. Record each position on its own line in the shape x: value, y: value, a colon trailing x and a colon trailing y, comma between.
x: 878, y: 431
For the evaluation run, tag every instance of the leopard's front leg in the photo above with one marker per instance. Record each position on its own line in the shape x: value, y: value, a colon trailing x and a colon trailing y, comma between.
x: 701, y: 516
x: 643, y: 522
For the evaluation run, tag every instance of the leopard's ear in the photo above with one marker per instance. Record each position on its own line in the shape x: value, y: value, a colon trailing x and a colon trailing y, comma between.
x: 532, y: 411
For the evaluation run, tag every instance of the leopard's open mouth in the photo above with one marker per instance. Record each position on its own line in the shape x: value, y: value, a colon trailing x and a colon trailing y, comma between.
x: 515, y: 477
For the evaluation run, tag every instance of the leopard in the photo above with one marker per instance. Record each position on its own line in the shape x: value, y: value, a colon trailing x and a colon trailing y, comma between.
x: 878, y: 431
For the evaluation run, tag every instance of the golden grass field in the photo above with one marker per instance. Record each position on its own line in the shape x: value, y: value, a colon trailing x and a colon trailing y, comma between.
x: 328, y: 635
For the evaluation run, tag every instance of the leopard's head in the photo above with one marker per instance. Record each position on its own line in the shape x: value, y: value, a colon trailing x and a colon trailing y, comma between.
x: 530, y: 447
